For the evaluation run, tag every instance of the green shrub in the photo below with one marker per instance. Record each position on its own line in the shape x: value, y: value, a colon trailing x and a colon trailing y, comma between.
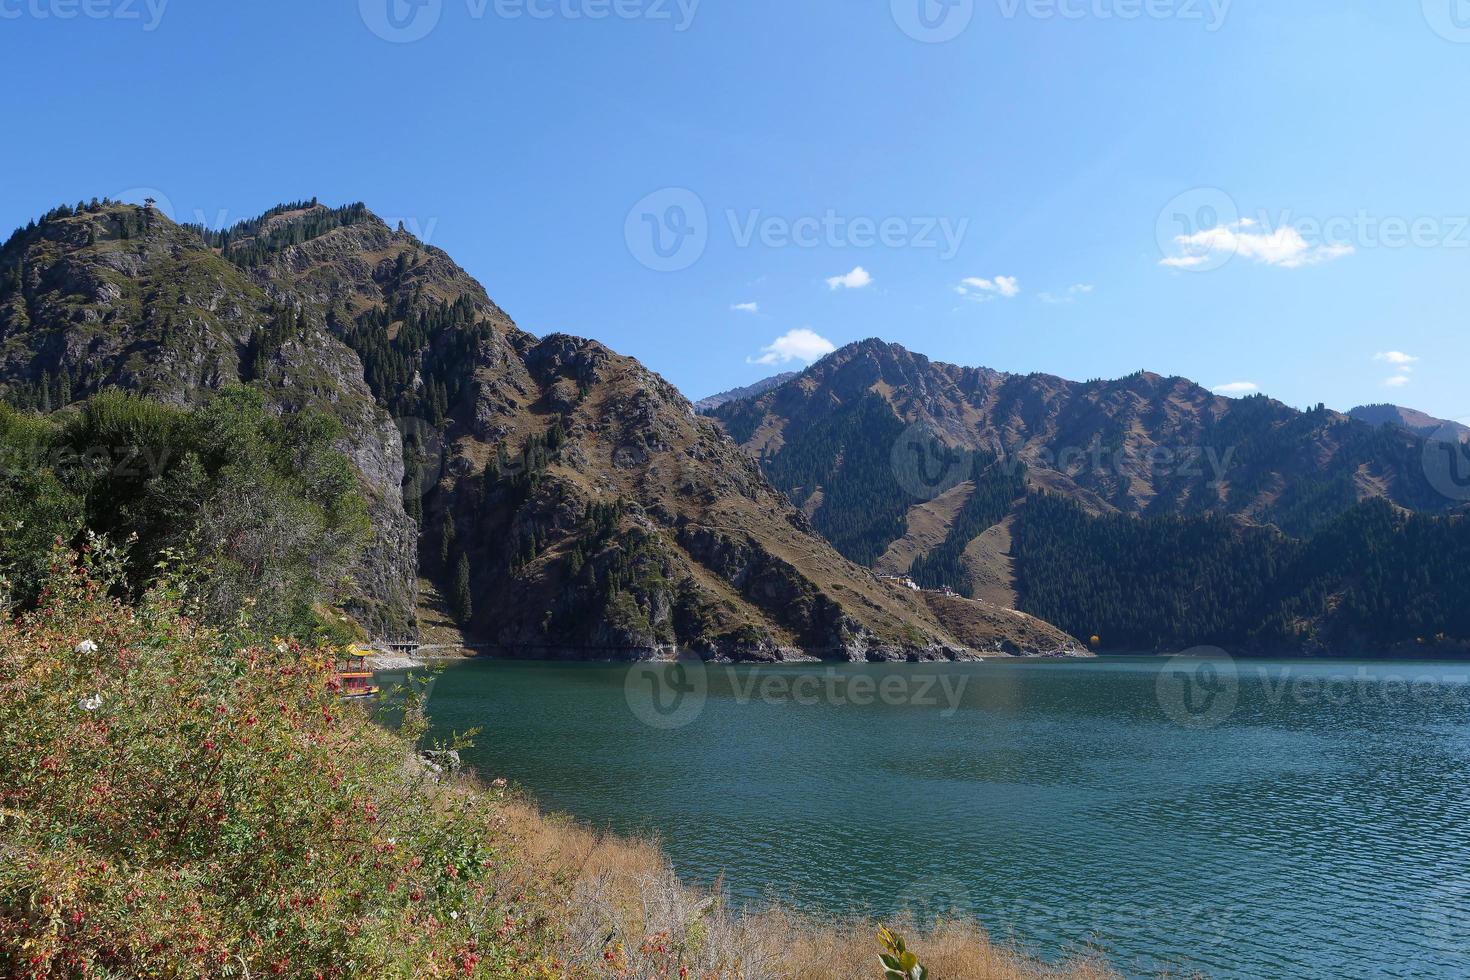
x: 185, y: 802
x: 266, y: 511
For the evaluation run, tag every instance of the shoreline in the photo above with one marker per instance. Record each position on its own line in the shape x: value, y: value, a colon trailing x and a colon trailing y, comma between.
x: 635, y: 655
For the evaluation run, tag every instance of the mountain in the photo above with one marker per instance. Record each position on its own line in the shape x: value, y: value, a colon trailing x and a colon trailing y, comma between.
x: 1413, y: 421
x: 713, y: 402
x: 112, y: 296
x: 565, y: 499
x: 1146, y: 510
x: 1144, y: 444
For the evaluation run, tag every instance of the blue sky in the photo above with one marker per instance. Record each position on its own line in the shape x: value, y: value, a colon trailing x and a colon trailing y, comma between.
x: 1239, y: 192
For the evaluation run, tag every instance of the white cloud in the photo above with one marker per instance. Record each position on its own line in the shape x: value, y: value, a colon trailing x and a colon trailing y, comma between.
x: 747, y: 307
x: 983, y: 290
x: 1285, y: 247
x: 1069, y: 296
x: 1237, y: 388
x: 801, y: 344
x: 1402, y: 363
x: 856, y: 279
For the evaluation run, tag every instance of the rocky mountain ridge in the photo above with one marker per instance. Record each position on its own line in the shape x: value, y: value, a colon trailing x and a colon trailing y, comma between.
x: 1145, y: 510
x: 1144, y: 444
x: 569, y: 501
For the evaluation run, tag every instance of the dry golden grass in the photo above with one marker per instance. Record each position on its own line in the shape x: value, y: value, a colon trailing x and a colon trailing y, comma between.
x: 626, y: 889
x: 926, y: 526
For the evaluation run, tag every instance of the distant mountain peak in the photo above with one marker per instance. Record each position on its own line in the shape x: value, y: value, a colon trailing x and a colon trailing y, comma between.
x: 1412, y: 420
x: 749, y: 391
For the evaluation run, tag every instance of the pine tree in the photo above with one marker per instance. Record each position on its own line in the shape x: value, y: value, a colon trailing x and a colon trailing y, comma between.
x: 413, y: 486
x: 463, y: 605
x: 446, y: 539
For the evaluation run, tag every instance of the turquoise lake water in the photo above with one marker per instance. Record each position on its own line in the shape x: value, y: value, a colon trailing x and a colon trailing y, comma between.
x: 1247, y: 819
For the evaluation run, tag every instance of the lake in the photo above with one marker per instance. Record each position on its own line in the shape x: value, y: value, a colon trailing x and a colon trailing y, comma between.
x: 1237, y: 819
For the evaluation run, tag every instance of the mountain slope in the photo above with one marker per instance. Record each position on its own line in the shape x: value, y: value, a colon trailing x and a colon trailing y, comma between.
x: 1145, y: 510
x: 599, y: 513
x: 116, y: 296
x: 565, y: 500
x: 1143, y: 445
x: 1413, y: 421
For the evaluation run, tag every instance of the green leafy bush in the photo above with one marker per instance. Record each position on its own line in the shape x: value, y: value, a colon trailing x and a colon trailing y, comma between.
x: 181, y: 801
x: 265, y: 510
